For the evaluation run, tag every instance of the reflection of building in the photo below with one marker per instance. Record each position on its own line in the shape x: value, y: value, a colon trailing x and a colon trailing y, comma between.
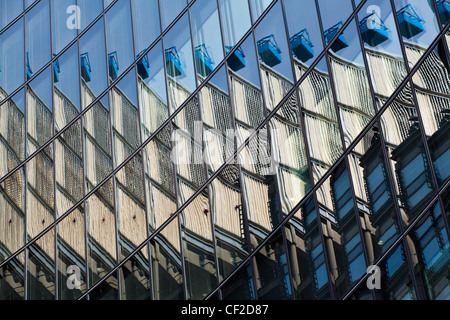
x: 348, y: 223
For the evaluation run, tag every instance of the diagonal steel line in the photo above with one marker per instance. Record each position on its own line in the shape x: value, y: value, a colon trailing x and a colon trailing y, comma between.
x: 231, y: 159
x: 24, y: 12
x: 140, y: 148
x: 434, y: 201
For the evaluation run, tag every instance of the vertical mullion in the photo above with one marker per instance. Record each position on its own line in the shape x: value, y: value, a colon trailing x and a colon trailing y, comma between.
x: 25, y: 211
x: 238, y: 165
x: 113, y: 157
x: 146, y: 197
x: 273, y: 166
x: 345, y: 161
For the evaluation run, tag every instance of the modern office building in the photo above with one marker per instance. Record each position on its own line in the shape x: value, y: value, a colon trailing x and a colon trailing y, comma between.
x: 224, y: 149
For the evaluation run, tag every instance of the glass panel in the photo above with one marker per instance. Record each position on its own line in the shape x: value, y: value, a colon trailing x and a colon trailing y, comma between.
x: 396, y: 282
x: 207, y: 37
x: 12, y: 61
x: 135, y: 277
x: 93, y: 63
x: 321, y: 124
x: 9, y: 9
x: 179, y: 63
x: 89, y: 10
x: 273, y: 51
x: 71, y: 251
x: 271, y: 271
x: 38, y: 37
x: 12, y: 214
x: 304, y: 31
x: 418, y: 26
x: 152, y: 91
x: 130, y: 201
x: 41, y: 268
x: 12, y: 279
x: 101, y: 235
x: 240, y: 286
x: 64, y: 23
x: 107, y: 290
x: 405, y: 148
x: 146, y: 22
x: 351, y: 84
x: 170, y: 10
x: 306, y: 254
x: 235, y: 17
x: 167, y: 264
x: 431, y: 254
x: 443, y: 7
x: 125, y: 118
x: 199, y: 254
x: 289, y: 155
x: 382, y: 47
x: 258, y: 7
x: 119, y: 38
x: 341, y: 231
x: 434, y: 104
x: 374, y: 195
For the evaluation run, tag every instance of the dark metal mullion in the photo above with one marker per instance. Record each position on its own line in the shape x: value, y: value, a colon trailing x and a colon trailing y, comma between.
x: 113, y: 160
x: 269, y: 139
x: 242, y: 186
x: 83, y: 150
x: 25, y: 167
x: 357, y: 216
x: 203, y: 144
x: 146, y: 197
x: 55, y: 207
x: 244, y: 208
x: 298, y: 112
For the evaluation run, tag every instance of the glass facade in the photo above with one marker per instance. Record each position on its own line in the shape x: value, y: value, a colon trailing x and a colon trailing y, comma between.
x: 224, y: 149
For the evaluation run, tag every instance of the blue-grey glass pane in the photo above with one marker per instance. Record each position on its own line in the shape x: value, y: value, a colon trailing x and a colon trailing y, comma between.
x: 89, y: 10
x: 170, y: 9
x: 207, y: 39
x: 119, y: 39
x: 235, y: 17
x: 179, y: 63
x: 12, y: 61
x: 240, y: 286
x: 38, y: 37
x: 443, y: 7
x: 146, y: 22
x: 258, y: 7
x: 9, y: 10
x: 152, y: 91
x: 274, y: 55
x: 41, y: 269
x: 333, y: 14
x: 304, y: 30
x: 135, y: 277
x: 93, y: 63
x: 64, y: 23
